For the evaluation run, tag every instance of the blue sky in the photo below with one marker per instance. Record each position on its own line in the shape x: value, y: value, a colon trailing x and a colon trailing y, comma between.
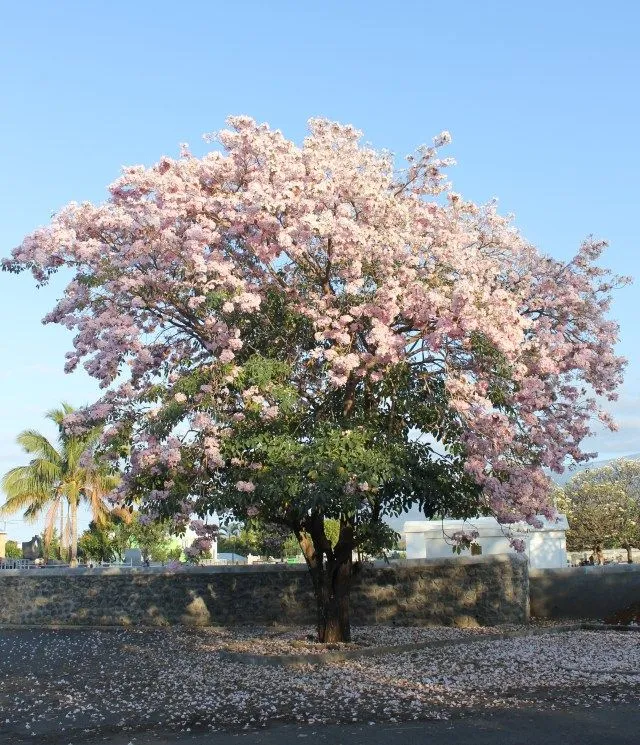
x: 541, y: 101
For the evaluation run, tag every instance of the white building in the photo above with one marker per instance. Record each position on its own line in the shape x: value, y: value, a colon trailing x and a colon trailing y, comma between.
x: 545, y: 547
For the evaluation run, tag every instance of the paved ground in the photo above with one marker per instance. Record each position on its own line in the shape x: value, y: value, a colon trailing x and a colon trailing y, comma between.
x: 608, y: 725
x: 177, y: 687
x: 615, y: 725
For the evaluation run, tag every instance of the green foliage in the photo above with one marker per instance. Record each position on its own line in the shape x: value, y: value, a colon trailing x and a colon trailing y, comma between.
x: 152, y: 538
x: 290, y: 547
x: 161, y: 553
x: 332, y: 530
x: 377, y: 539
x: 12, y: 550
x: 603, y: 507
x: 53, y: 549
x: 96, y: 543
x: 58, y: 475
x: 110, y: 540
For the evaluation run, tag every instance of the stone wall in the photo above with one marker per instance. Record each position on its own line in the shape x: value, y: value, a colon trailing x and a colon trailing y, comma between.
x: 463, y: 591
x: 584, y: 592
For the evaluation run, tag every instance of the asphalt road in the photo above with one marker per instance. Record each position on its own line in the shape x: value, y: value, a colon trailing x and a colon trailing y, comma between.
x: 613, y: 724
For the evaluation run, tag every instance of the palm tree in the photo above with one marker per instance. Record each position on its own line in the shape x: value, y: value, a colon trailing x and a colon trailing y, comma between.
x: 231, y: 531
x: 59, y: 475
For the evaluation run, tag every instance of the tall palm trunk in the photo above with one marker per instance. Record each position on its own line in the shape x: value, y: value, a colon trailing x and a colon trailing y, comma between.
x: 73, y: 509
x: 64, y: 531
x: 62, y: 551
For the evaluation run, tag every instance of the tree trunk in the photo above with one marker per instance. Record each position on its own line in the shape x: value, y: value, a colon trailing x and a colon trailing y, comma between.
x: 330, y: 570
x: 629, y: 554
x: 332, y: 585
x: 598, y: 555
x: 73, y: 508
x: 63, y: 534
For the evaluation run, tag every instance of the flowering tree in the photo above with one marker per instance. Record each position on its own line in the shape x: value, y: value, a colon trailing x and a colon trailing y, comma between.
x: 603, y: 507
x: 285, y: 331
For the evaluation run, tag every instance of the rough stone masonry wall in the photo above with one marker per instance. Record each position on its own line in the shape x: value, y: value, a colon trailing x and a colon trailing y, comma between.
x: 594, y: 592
x: 463, y: 591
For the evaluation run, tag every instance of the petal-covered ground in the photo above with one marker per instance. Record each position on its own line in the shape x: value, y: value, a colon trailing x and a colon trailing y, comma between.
x: 73, y: 685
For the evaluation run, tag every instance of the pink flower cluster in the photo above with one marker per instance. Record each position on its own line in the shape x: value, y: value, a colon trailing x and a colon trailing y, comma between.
x: 245, y: 486
x: 386, y: 272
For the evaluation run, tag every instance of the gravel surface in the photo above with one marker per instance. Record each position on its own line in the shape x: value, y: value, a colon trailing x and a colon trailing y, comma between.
x: 72, y: 686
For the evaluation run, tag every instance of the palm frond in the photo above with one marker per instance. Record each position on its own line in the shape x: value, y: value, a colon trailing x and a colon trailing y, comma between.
x: 58, y: 415
x: 23, y: 485
x: 35, y: 443
x: 67, y: 471
x: 18, y: 503
x: 34, y: 511
x: 45, y: 470
x: 35, y: 478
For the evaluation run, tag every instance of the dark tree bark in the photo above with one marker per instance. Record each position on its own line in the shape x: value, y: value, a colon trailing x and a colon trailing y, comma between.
x: 332, y: 598
x: 331, y: 570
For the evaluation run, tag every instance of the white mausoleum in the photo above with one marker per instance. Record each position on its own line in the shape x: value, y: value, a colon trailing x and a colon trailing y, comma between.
x: 545, y: 547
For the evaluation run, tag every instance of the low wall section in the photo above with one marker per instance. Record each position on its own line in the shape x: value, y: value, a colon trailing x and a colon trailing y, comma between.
x: 583, y: 592
x: 462, y: 591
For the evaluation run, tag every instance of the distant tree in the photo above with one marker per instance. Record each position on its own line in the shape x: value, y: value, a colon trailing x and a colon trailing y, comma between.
x: 12, y: 550
x: 151, y: 537
x: 272, y: 539
x: 332, y: 530
x: 231, y: 533
x: 173, y: 554
x: 96, y: 543
x: 603, y: 508
x: 58, y: 474
x: 52, y: 548
x: 110, y: 539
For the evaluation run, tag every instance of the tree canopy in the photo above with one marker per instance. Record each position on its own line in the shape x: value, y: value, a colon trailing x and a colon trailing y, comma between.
x: 603, y: 507
x: 310, y: 333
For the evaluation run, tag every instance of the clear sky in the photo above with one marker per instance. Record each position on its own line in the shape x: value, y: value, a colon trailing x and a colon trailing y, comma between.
x: 541, y: 99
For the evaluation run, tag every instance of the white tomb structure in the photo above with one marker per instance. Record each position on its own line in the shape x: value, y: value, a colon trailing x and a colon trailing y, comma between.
x: 545, y: 547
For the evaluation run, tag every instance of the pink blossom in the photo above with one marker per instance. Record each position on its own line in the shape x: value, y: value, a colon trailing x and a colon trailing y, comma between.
x: 387, y: 275
x: 245, y: 486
